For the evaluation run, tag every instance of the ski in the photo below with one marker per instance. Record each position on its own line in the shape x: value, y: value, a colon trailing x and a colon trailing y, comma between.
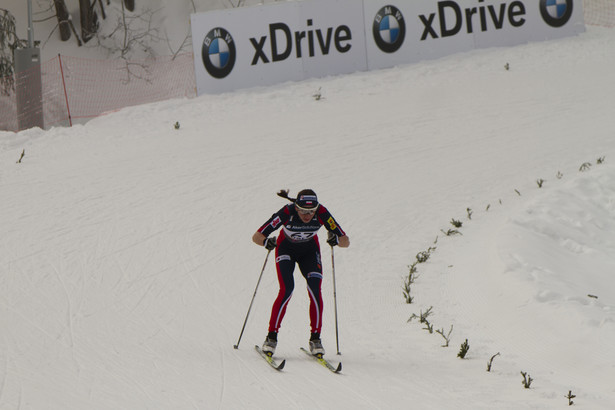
x: 272, y: 362
x: 324, y: 362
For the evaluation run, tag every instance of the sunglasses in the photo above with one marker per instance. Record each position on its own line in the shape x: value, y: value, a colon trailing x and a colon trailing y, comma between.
x: 305, y: 211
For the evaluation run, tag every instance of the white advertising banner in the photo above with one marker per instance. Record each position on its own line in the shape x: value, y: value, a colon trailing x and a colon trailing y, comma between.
x: 265, y: 45
x: 401, y: 31
x: 291, y: 41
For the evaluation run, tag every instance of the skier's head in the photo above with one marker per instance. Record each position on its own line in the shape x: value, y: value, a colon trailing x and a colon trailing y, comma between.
x: 306, y: 200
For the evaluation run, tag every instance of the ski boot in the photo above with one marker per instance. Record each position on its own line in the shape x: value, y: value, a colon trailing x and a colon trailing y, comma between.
x: 270, y: 343
x: 316, y: 345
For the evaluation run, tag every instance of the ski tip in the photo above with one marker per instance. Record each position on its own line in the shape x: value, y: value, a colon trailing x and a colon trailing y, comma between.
x: 281, y: 366
x: 339, y: 368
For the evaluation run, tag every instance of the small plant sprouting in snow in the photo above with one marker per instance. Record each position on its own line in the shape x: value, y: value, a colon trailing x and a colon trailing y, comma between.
x: 540, y: 182
x: 456, y: 223
x: 422, y: 257
x: 176, y: 125
x: 423, y: 316
x: 450, y: 232
x: 428, y: 327
x: 585, y: 167
x: 559, y: 175
x: 318, y: 95
x: 517, y: 191
x: 490, y: 363
x: 600, y: 160
x: 23, y: 154
x: 407, y: 289
x: 527, y: 380
x: 488, y: 206
x: 465, y: 347
x: 570, y: 396
x: 446, y: 337
x: 469, y: 211
x: 409, y: 282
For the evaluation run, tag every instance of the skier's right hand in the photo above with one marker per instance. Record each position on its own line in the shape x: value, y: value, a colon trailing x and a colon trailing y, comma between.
x: 270, y: 243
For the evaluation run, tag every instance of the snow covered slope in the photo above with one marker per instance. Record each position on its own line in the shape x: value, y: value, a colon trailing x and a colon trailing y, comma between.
x: 126, y: 266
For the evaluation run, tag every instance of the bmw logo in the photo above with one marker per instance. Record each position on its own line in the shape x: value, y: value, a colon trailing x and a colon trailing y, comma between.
x: 218, y: 52
x: 389, y: 29
x: 556, y: 13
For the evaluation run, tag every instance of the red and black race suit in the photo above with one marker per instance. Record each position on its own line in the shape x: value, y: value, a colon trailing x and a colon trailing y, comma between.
x: 298, y: 244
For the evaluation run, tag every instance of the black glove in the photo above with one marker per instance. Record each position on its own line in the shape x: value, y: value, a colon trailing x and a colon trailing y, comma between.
x: 332, y: 239
x: 269, y: 243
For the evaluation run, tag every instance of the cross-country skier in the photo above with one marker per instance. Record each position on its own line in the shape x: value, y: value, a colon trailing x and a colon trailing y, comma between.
x: 298, y: 243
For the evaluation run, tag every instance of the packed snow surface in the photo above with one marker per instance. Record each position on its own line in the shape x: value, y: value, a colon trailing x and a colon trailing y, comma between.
x: 127, y: 269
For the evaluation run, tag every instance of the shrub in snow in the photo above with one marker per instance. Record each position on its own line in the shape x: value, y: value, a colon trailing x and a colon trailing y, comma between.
x: 570, y: 396
x: 465, y: 347
x: 409, y: 282
x: 318, y: 95
x: 527, y: 380
x: 422, y: 257
x: 490, y: 363
x: 450, y: 232
x: 446, y: 337
x: 428, y: 327
x: 423, y: 316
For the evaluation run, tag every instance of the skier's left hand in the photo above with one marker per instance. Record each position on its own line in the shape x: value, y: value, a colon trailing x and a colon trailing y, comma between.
x: 332, y: 239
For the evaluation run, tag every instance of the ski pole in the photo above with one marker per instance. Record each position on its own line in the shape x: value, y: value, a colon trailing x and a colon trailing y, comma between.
x: 337, y: 340
x: 253, y: 296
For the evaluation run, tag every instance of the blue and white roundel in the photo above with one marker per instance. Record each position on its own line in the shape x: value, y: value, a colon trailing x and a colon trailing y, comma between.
x: 556, y: 13
x: 389, y: 29
x: 556, y: 8
x: 219, y: 53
